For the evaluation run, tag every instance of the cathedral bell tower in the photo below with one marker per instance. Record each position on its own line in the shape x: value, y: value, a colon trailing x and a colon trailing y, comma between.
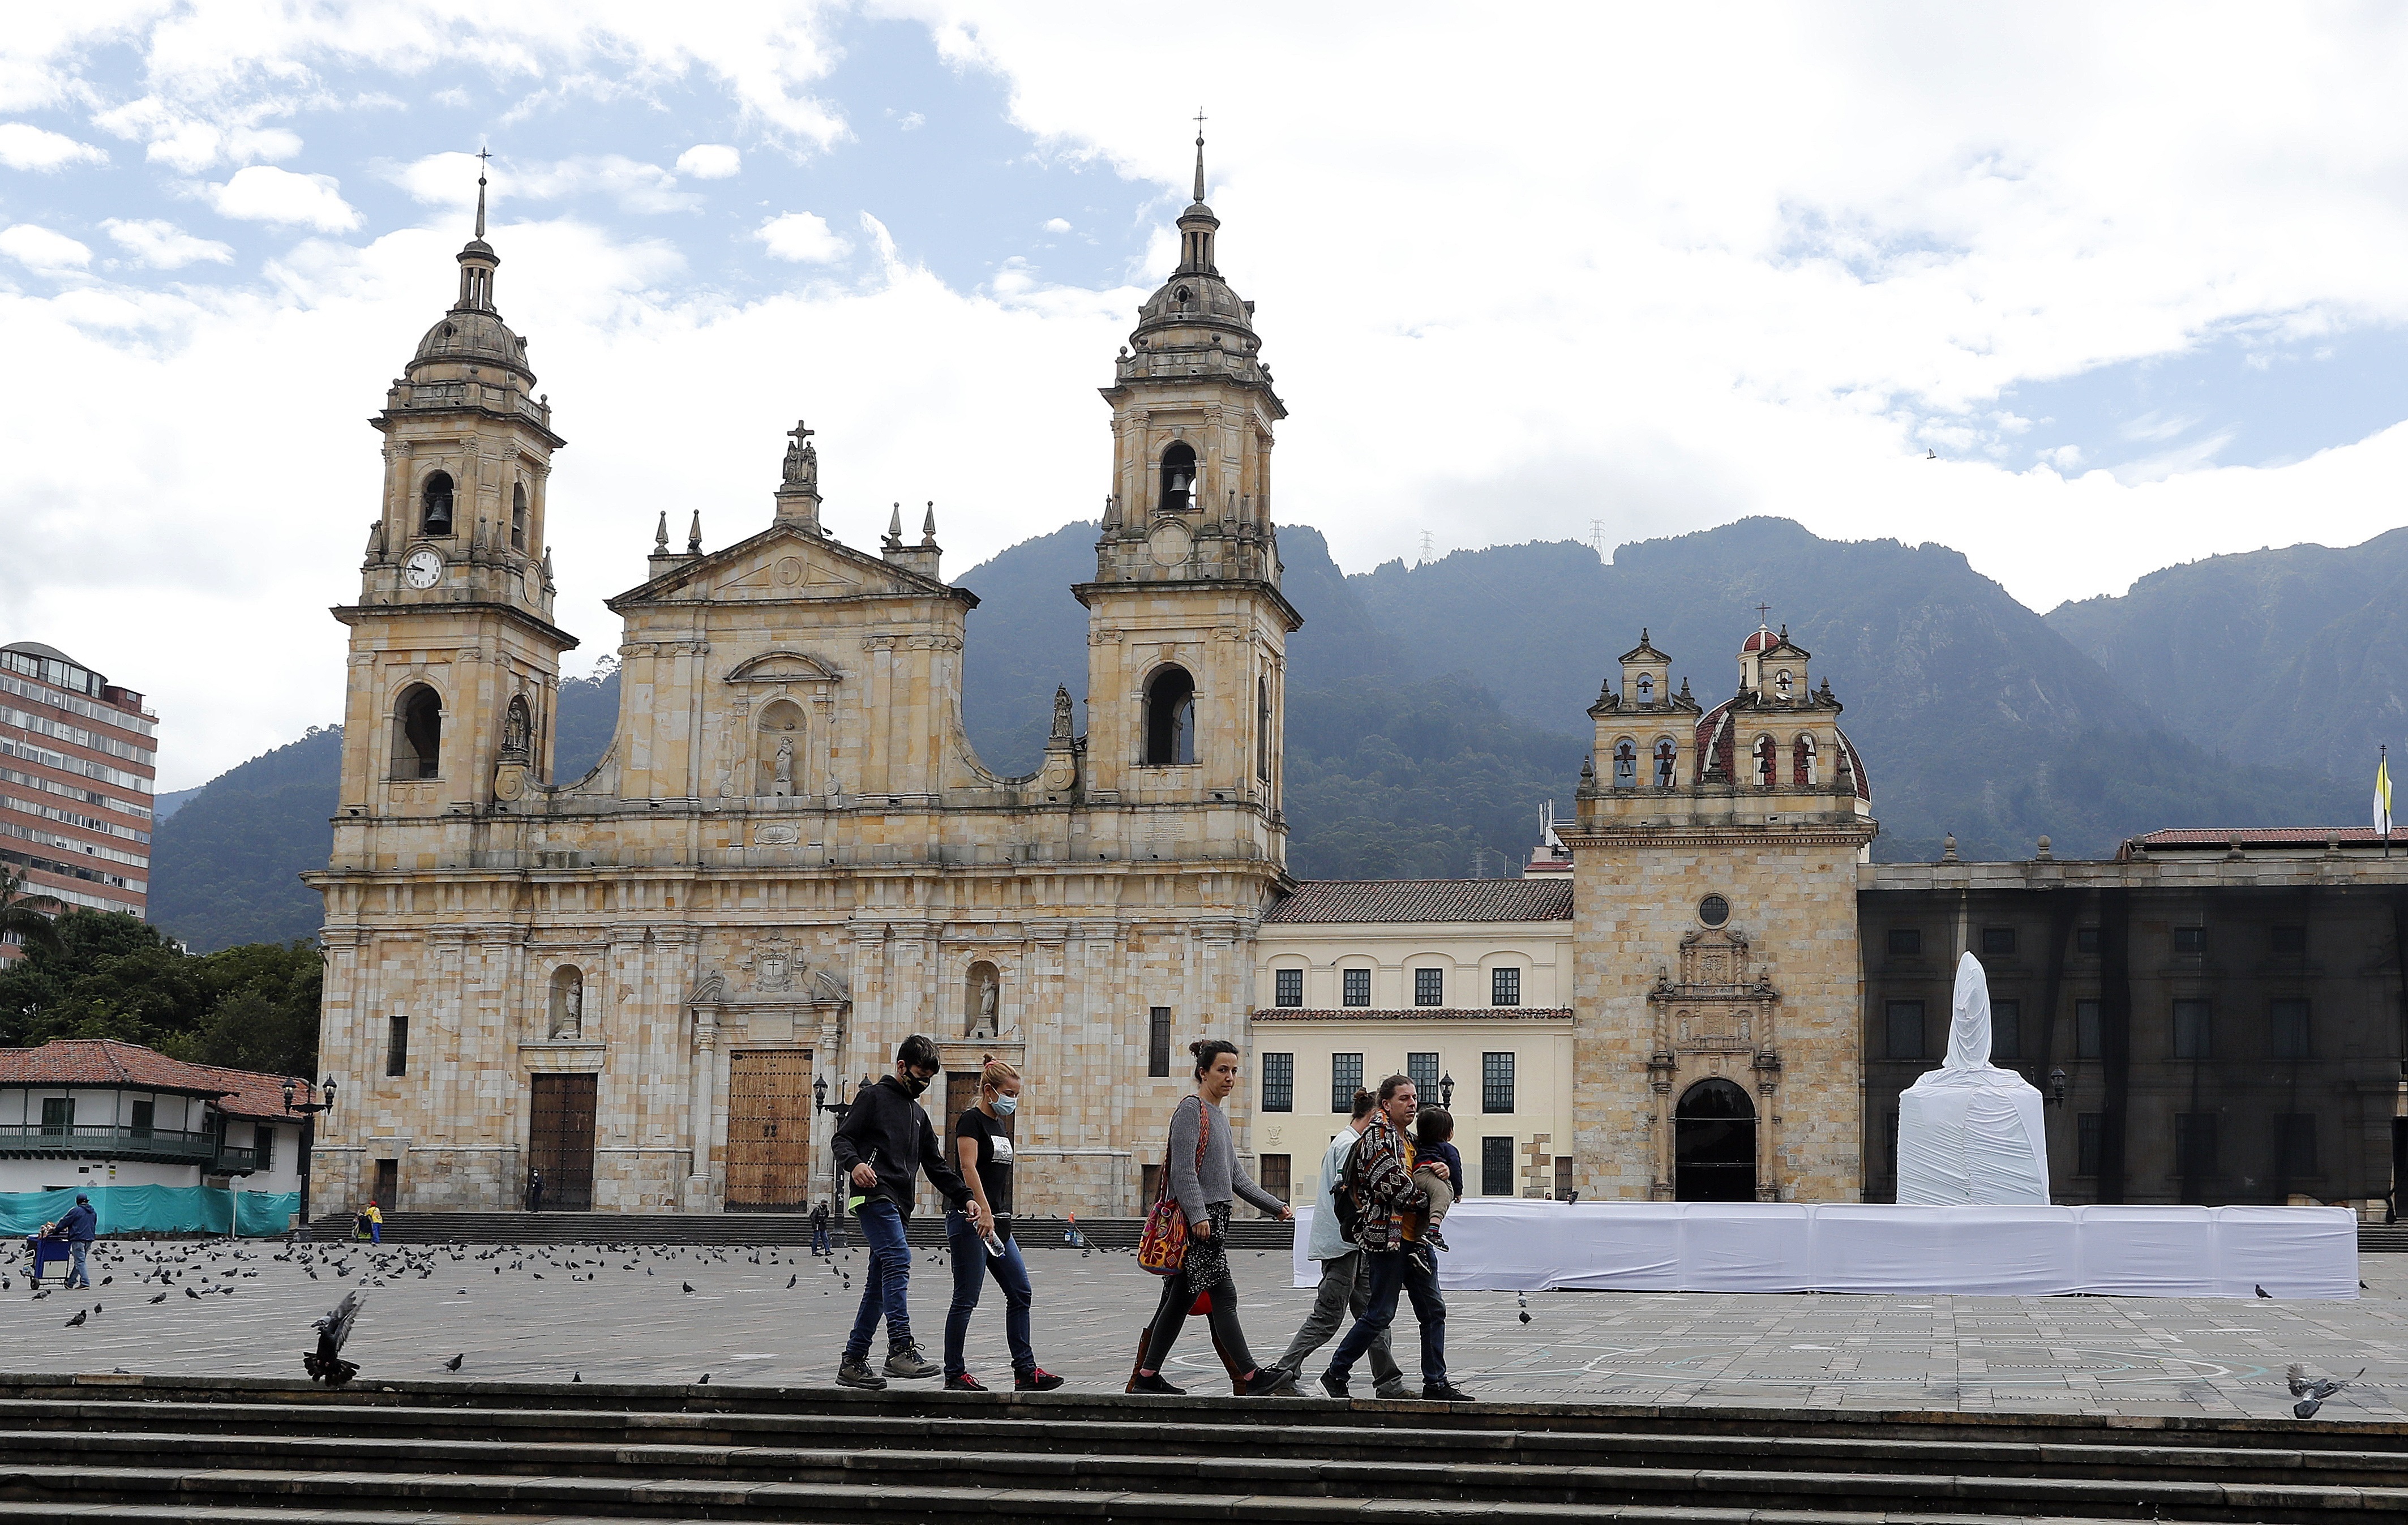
x: 455, y: 661
x: 1187, y: 629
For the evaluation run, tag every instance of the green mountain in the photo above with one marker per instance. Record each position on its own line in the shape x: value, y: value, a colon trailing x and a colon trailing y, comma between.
x: 2288, y: 658
x: 1431, y: 709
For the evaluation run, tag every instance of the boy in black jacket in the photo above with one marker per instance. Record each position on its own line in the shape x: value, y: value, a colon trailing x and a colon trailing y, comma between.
x: 883, y: 1144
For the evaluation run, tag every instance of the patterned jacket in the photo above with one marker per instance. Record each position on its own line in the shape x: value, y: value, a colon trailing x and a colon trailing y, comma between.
x: 1384, y: 1193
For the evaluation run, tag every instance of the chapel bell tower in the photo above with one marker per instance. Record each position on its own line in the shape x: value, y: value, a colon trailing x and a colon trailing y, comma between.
x: 455, y: 661
x: 1187, y: 629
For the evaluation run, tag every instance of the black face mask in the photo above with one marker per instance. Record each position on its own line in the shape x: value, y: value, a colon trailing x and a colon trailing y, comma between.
x: 915, y: 1084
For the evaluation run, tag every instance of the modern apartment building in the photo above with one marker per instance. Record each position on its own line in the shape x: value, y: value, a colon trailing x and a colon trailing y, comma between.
x: 76, y: 756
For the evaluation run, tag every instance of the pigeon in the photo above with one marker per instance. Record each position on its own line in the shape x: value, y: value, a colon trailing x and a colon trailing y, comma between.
x: 576, y: 1377
x: 705, y: 1380
x: 790, y: 1280
x: 2313, y: 1392
x: 193, y: 1295
x: 2262, y: 1292
x: 160, y: 1298
x: 326, y: 1363
x: 454, y: 1364
x: 686, y: 1285
x: 77, y: 1322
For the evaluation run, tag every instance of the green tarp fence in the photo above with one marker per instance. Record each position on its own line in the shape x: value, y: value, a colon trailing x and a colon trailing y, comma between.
x: 202, y: 1210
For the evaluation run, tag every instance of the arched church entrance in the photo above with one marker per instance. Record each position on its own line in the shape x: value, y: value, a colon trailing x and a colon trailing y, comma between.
x: 1713, y: 1144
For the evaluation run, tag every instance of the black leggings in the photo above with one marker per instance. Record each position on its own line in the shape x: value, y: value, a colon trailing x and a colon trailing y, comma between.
x: 1171, y: 1317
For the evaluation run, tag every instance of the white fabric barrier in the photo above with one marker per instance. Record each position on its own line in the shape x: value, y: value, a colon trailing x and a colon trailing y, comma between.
x: 1511, y: 1245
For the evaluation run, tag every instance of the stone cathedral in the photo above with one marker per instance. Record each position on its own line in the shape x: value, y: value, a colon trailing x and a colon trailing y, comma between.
x: 647, y: 981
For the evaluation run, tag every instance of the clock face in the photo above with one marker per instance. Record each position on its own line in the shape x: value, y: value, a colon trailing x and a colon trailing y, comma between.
x: 422, y: 568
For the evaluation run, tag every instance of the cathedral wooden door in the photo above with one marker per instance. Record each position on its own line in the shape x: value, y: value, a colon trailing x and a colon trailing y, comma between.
x: 561, y: 1143
x: 769, y: 1130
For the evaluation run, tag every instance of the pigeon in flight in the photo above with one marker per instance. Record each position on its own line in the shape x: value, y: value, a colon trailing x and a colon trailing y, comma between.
x: 2313, y: 1392
x: 327, y: 1362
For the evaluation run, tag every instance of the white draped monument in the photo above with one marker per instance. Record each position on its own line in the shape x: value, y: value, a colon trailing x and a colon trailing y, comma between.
x: 1970, y: 1134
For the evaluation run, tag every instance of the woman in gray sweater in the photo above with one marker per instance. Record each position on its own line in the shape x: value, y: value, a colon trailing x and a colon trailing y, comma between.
x: 1204, y: 1175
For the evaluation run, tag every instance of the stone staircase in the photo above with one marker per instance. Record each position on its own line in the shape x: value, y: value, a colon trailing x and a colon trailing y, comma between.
x: 163, y: 1448
x: 927, y: 1229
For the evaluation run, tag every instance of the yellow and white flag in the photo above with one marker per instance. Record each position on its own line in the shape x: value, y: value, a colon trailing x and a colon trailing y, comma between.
x: 2383, y: 796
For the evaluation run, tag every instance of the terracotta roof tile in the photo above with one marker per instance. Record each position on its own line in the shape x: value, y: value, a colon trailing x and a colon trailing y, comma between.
x: 2267, y: 836
x: 104, y: 1061
x: 1416, y: 1014
x: 1426, y: 899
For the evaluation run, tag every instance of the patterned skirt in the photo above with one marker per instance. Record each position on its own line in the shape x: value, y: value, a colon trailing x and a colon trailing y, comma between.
x: 1207, y: 1263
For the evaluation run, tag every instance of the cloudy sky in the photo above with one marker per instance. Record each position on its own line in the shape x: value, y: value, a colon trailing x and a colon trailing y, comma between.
x: 2131, y: 276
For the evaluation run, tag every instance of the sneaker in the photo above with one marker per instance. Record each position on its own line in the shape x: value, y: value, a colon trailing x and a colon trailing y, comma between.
x: 906, y: 1361
x: 1334, y: 1385
x: 1143, y: 1383
x: 1270, y: 1380
x: 1394, y: 1392
x: 853, y: 1372
x: 964, y: 1382
x: 1036, y: 1379
x: 1444, y: 1392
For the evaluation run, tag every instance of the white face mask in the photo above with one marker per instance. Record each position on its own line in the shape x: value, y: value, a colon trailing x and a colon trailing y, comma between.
x: 1006, y: 1105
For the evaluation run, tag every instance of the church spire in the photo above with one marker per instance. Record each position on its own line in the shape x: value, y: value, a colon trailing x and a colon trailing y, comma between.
x: 1199, y: 156
x: 477, y: 260
x: 1196, y: 224
x: 482, y: 155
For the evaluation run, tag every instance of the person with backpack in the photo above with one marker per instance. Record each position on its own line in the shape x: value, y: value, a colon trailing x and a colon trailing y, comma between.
x: 1388, y: 1213
x: 1203, y: 1177
x: 819, y: 1228
x: 1345, y: 1290
x: 883, y: 1145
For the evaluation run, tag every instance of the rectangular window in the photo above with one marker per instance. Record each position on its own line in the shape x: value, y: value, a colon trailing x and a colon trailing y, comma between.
x: 1358, y: 987
x: 1157, y: 1041
x: 2190, y: 939
x: 2287, y: 1027
x: 2087, y: 1039
x: 2006, y: 1031
x: 1905, y: 1026
x: 1504, y: 987
x: 1288, y: 987
x: 1998, y: 941
x: 1905, y: 941
x: 263, y: 1145
x: 1497, y: 1167
x: 1563, y: 1178
x: 58, y: 1113
x: 1422, y: 1069
x: 2090, y: 1137
x: 2295, y: 1144
x: 1430, y: 987
x: 1273, y: 1176
x: 1345, y: 1079
x: 2190, y: 1029
x: 396, y: 1046
x: 1497, y: 1083
x: 1278, y: 1082
x: 2086, y: 940
x: 2288, y: 941
x: 145, y: 1114
x: 2194, y: 1144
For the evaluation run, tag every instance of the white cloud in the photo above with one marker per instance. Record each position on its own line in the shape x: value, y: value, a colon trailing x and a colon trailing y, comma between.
x: 450, y: 180
x: 263, y: 193
x: 710, y: 161
x: 39, y: 249
x: 25, y: 146
x: 163, y: 246
x: 802, y: 237
x: 1056, y: 224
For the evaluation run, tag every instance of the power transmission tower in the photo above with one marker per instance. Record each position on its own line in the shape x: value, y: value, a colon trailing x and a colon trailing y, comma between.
x: 1597, y: 537
x: 1430, y: 546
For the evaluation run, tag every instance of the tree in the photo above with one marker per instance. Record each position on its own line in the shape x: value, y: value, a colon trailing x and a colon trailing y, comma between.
x: 23, y: 916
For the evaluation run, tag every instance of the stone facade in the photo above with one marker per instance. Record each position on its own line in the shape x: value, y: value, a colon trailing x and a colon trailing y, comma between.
x: 790, y: 857
x: 1715, y: 933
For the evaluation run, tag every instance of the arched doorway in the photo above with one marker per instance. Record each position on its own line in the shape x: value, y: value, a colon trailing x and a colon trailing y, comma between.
x: 1713, y: 1144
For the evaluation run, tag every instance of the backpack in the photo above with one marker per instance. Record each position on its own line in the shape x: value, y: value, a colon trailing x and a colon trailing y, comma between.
x: 1342, y: 1197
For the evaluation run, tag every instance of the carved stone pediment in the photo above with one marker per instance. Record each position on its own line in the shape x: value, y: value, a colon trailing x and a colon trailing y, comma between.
x: 782, y: 667
x: 1722, y: 1001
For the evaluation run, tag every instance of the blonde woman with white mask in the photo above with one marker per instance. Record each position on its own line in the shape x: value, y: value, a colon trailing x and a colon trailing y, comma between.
x: 981, y: 1239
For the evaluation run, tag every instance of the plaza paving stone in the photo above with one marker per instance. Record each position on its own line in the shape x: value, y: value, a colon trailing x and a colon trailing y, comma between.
x: 543, y: 1313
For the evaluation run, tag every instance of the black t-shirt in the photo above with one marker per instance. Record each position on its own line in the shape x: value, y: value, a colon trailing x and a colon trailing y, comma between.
x: 994, y: 1156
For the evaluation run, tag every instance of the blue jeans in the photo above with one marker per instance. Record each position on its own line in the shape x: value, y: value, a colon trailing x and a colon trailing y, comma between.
x: 818, y: 1239
x: 971, y: 1264
x: 78, y: 1277
x: 885, y: 1288
x: 1393, y: 1271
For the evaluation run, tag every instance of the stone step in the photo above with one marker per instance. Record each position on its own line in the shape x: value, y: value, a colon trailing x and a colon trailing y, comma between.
x: 927, y: 1230
x: 52, y: 1431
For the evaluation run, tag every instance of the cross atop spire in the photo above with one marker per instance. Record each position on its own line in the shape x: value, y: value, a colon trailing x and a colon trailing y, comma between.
x: 482, y: 154
x: 1199, y: 154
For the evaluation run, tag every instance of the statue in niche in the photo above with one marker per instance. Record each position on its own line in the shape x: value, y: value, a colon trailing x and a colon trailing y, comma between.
x: 1061, y: 713
x: 781, y: 782
x: 567, y: 1006
x: 514, y: 730
x: 986, y: 1000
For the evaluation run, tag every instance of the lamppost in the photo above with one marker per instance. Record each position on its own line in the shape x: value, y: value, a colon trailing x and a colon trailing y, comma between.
x: 308, y: 1112
x: 1446, y: 1092
x: 819, y: 1100
x: 2057, y: 1087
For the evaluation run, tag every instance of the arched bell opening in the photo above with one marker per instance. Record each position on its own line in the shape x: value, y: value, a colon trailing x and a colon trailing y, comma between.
x: 1713, y: 1144
x: 434, y: 505
x: 418, y: 733
x: 1170, y: 718
x: 1178, y: 478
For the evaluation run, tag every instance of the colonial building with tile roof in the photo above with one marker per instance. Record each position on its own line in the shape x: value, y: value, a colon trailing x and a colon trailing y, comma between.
x: 93, y: 1111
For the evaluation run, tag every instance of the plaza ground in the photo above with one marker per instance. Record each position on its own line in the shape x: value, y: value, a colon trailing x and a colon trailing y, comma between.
x: 544, y: 1313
